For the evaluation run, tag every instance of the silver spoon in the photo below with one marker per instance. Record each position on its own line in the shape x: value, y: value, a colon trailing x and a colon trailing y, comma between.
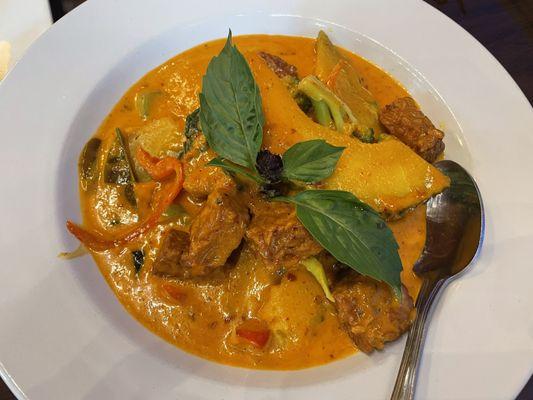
x: 454, y: 223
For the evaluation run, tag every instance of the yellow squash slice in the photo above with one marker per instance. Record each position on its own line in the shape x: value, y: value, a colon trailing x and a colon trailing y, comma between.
x: 387, y: 175
x: 341, y: 78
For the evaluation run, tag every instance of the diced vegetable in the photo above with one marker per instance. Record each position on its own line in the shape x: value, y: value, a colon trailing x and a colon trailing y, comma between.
x: 342, y: 116
x: 177, y: 213
x: 159, y: 137
x: 118, y: 169
x: 328, y: 59
x: 336, y: 71
x: 129, y: 193
x: 287, y: 318
x: 321, y: 112
x: 112, y: 207
x: 327, y: 56
x: 159, y: 169
x: 317, y: 270
x: 174, y: 292
x: 87, y: 163
x: 143, y: 102
x: 345, y: 84
x: 303, y: 101
x: 254, y: 331
x: 175, y: 210
x: 289, y: 75
x: 386, y: 175
x: 257, y: 338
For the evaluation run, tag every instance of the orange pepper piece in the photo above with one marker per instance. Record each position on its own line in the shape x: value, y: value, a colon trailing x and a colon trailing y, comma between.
x: 254, y: 331
x: 158, y: 169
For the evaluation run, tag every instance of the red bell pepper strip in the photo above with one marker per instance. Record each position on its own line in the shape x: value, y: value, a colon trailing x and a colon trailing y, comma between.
x: 256, y: 335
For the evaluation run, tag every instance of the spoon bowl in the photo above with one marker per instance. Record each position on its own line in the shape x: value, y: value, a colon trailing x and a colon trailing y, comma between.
x: 454, y: 226
x: 454, y: 220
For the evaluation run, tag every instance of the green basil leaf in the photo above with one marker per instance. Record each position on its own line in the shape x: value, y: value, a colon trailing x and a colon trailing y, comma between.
x: 352, y: 232
x: 231, y: 113
x: 233, y: 168
x: 311, y: 161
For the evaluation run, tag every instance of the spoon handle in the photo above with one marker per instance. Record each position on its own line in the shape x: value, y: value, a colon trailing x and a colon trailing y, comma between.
x: 404, y: 387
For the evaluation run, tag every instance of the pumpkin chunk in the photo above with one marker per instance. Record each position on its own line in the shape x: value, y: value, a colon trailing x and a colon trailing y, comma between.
x: 388, y: 175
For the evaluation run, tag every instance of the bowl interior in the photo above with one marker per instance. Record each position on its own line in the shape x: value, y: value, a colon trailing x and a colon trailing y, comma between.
x: 148, y: 55
x: 107, y: 335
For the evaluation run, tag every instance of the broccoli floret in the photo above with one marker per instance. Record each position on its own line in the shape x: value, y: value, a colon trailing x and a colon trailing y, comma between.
x: 289, y: 76
x: 303, y: 101
x: 321, y: 112
x: 366, y: 135
x: 332, y: 112
x: 322, y: 97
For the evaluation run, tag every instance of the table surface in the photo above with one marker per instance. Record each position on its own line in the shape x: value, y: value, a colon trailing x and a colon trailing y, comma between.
x: 504, y: 27
x: 21, y: 22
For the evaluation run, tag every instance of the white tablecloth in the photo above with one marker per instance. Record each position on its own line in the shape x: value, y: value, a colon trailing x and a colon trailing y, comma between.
x: 21, y: 22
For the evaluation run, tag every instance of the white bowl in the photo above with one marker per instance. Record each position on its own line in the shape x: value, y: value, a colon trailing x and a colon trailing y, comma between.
x: 64, y: 335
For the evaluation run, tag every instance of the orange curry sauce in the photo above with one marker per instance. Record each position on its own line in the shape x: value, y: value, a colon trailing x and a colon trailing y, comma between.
x: 201, y: 316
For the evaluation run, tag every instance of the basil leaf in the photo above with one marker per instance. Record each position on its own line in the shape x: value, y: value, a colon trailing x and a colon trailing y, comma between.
x: 233, y: 168
x: 231, y: 114
x: 351, y: 231
x: 311, y: 161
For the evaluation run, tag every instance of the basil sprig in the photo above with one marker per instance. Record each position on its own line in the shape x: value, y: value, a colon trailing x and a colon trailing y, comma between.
x: 232, y: 121
x: 230, y: 108
x: 234, y: 169
x: 310, y: 161
x: 351, y: 231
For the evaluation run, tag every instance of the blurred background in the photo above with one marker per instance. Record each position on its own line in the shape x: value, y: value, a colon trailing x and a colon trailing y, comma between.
x: 504, y: 27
